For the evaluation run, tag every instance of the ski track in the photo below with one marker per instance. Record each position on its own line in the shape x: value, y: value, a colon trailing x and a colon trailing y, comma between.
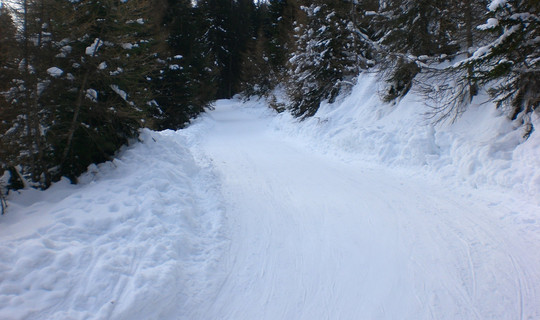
x: 312, y: 237
x: 233, y: 219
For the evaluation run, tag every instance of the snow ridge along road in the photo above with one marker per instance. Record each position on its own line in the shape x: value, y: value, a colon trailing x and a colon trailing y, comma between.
x: 233, y: 219
x: 312, y: 237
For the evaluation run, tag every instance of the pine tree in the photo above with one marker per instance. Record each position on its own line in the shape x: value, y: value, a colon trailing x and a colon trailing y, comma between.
x: 468, y: 21
x: 510, y: 63
x: 281, y: 17
x: 228, y: 27
x: 186, y: 83
x: 29, y: 122
x: 412, y: 33
x: 329, y: 55
x: 9, y: 146
x: 7, y: 35
x: 506, y: 63
x: 112, y: 53
x: 257, y: 75
x: 264, y: 62
x: 448, y: 90
x: 81, y: 85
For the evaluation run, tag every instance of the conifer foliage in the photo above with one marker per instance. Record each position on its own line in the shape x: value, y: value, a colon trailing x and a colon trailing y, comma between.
x: 408, y: 31
x: 78, y: 79
x: 184, y: 82
x: 264, y: 62
x: 327, y: 58
x: 510, y: 63
x: 77, y: 87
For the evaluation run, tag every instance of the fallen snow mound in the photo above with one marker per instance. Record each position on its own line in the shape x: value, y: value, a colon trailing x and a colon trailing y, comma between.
x: 482, y: 148
x: 146, y: 223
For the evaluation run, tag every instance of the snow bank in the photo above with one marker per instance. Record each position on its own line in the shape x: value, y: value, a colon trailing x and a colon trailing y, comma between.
x: 481, y: 148
x: 135, y: 230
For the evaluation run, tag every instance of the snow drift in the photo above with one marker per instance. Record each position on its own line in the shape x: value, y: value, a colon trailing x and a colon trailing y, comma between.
x: 483, y: 147
x: 109, y: 247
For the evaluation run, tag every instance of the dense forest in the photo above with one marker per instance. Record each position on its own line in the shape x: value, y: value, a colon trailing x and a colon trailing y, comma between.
x: 79, y: 78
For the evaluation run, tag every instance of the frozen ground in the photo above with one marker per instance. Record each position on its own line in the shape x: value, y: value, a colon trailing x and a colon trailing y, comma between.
x: 246, y: 215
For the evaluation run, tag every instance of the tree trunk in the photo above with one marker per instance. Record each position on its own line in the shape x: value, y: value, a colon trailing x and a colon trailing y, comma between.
x: 78, y: 105
x: 473, y: 89
x: 74, y: 122
x: 26, y: 94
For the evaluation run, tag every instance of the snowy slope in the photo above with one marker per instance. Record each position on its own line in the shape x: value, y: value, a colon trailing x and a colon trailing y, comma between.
x: 363, y: 212
x: 135, y: 240
x: 481, y: 149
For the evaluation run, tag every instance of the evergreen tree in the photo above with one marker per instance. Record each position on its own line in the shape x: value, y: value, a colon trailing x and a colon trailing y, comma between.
x: 186, y: 83
x: 80, y: 85
x: 449, y: 91
x: 510, y: 63
x: 264, y: 63
x: 281, y: 15
x: 28, y: 124
x: 506, y: 64
x: 257, y: 75
x: 112, y: 54
x: 7, y: 35
x: 469, y: 36
x: 9, y: 145
x: 329, y: 55
x: 412, y: 33
x: 228, y: 26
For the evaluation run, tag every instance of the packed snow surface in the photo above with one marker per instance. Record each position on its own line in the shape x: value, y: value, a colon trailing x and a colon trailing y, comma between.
x: 244, y: 216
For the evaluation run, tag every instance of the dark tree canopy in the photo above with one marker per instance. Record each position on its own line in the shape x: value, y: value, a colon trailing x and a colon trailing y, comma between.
x: 79, y: 79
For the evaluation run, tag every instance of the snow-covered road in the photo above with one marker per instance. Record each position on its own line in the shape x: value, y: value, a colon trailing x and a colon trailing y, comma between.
x: 312, y: 237
x: 234, y: 219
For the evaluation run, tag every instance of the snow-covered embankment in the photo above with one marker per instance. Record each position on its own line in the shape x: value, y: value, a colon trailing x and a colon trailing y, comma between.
x: 482, y: 148
x: 136, y: 239
x: 235, y: 218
